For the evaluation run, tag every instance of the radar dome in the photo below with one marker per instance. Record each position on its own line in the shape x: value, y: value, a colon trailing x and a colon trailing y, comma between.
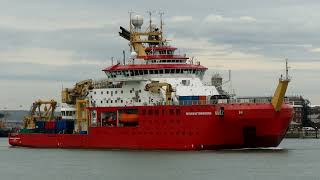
x: 137, y: 21
x: 133, y: 54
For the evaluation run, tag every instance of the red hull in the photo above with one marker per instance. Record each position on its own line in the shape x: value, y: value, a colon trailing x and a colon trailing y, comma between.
x: 193, y: 128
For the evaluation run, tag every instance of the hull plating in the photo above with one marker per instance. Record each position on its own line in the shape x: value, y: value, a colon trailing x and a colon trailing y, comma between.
x: 193, y: 128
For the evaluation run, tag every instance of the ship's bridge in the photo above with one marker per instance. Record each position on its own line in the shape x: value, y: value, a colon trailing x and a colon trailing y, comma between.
x: 158, y: 61
x: 134, y: 70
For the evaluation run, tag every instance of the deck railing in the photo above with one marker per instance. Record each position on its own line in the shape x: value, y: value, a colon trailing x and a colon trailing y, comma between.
x: 217, y: 101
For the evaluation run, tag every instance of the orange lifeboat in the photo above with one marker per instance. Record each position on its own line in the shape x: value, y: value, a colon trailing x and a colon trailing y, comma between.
x: 128, y: 118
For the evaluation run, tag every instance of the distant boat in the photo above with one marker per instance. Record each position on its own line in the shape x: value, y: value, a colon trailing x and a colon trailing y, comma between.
x: 3, y: 130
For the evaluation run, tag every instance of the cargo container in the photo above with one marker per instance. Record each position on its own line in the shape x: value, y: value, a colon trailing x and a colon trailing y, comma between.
x: 40, y: 124
x: 186, y: 100
x: 50, y: 125
x: 64, y: 125
x: 202, y: 99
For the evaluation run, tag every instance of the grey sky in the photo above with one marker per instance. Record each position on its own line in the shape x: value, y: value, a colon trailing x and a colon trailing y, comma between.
x: 47, y: 44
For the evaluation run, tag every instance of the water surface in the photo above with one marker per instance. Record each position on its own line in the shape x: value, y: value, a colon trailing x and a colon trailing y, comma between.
x: 294, y: 159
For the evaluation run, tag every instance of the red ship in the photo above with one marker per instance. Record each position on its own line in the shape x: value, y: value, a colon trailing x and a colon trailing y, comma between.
x: 155, y: 99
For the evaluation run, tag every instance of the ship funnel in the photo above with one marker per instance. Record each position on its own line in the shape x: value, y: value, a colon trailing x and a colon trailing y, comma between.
x: 137, y: 22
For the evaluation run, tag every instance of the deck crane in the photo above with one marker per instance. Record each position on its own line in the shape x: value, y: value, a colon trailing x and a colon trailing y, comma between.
x: 77, y: 96
x: 41, y: 111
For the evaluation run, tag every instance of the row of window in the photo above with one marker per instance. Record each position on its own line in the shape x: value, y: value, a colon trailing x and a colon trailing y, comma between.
x: 115, y: 92
x: 68, y: 113
x: 168, y: 61
x: 127, y: 73
x: 166, y: 52
x: 113, y: 101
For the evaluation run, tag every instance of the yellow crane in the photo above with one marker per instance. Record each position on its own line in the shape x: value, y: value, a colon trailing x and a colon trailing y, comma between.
x: 41, y: 111
x: 80, y: 91
x: 155, y: 86
x: 280, y: 92
x: 77, y: 96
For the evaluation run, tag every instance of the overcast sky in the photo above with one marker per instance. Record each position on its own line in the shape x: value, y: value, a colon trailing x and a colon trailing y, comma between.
x: 45, y: 45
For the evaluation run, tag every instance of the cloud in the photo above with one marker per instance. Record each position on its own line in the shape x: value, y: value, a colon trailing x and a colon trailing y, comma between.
x: 51, y: 24
x: 180, y: 19
x: 216, y: 18
x: 226, y: 56
x: 43, y: 56
x: 213, y: 18
x: 49, y: 41
x: 247, y: 19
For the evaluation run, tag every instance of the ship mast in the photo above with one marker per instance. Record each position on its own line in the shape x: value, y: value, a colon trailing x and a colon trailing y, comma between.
x: 161, y: 25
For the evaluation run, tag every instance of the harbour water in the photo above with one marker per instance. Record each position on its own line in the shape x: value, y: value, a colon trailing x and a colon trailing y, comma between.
x: 293, y: 159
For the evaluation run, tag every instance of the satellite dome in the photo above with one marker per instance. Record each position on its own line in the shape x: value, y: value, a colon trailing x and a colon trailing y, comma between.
x: 137, y: 21
x: 133, y: 54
